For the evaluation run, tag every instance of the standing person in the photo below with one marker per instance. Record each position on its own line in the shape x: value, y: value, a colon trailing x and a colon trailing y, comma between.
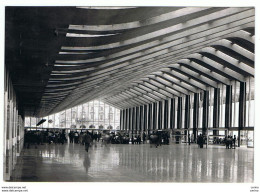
x: 71, y: 135
x: 144, y: 137
x: 87, y: 140
x: 189, y: 139
x: 226, y: 142
x: 99, y: 136
x: 76, y: 137
x: 230, y: 142
x: 63, y: 137
x: 95, y: 137
x: 234, y: 141
x: 200, y: 141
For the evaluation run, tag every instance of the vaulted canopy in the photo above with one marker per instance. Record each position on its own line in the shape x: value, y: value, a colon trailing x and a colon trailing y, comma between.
x: 60, y: 57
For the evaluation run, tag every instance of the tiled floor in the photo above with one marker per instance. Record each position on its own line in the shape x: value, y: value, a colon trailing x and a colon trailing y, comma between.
x: 135, y: 163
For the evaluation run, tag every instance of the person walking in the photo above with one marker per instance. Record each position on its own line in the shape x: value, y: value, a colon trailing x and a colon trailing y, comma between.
x: 87, y: 140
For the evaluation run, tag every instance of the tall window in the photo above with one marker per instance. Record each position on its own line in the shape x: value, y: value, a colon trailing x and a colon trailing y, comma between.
x: 86, y: 115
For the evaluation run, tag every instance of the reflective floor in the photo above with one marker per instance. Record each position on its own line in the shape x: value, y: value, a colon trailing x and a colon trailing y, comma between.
x: 135, y: 163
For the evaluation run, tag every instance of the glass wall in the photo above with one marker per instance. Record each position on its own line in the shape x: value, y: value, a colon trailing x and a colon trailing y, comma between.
x: 13, y: 135
x: 94, y: 114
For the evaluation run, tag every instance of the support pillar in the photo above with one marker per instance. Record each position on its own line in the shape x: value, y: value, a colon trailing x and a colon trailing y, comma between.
x: 141, y: 119
x: 166, y: 108
x: 216, y: 110
x: 205, y: 115
x: 179, y: 113
x: 187, y: 112
x: 172, y: 113
x: 195, y: 115
x: 242, y: 109
x: 154, y: 115
x: 149, y: 118
x: 160, y: 116
x: 121, y: 119
x: 145, y: 118
x: 228, y: 108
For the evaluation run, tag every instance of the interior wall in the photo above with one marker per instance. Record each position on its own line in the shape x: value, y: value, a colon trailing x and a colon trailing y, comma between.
x: 13, y: 129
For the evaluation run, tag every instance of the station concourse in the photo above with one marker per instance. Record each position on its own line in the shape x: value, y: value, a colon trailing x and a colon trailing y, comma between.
x: 167, y: 94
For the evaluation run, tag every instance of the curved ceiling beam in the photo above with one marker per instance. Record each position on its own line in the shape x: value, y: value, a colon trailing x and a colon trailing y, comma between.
x: 217, y: 29
x: 236, y: 48
x: 234, y: 63
x: 193, y: 75
x: 128, y: 96
x: 102, y: 82
x: 120, y: 99
x: 133, y: 100
x: 168, y: 91
x: 177, y: 82
x: 136, y: 24
x: 168, y: 85
x: 173, y: 29
x: 83, y: 97
x: 144, y: 93
x: 209, y: 73
x: 150, y: 92
x: 215, y: 66
x: 160, y: 89
x: 184, y: 78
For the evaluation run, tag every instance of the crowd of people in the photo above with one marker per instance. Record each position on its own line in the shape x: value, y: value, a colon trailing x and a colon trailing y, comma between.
x: 229, y: 141
x: 84, y: 137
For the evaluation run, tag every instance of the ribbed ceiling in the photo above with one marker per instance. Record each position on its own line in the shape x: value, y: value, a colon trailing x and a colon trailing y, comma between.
x: 124, y: 56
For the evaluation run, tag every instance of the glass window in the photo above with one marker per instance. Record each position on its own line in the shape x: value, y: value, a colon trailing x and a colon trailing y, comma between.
x: 68, y: 118
x: 45, y: 124
x: 51, y: 121
x: 79, y: 116
x: 27, y: 122
x: 92, y: 113
x: 57, y: 120
x: 33, y: 122
x: 74, y: 112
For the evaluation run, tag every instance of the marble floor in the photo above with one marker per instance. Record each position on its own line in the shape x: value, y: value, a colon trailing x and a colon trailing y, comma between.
x: 135, y: 163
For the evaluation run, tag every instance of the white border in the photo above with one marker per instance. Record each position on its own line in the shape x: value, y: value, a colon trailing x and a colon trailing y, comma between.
x: 168, y: 187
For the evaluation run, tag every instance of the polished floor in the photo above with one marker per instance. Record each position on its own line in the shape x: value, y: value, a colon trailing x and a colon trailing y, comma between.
x: 135, y: 163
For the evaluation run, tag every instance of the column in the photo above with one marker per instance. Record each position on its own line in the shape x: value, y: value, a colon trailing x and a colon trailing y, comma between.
x: 172, y: 113
x: 149, y: 125
x: 187, y: 113
x: 121, y: 119
x: 154, y: 115
x: 130, y: 120
x: 216, y: 110
x: 242, y: 109
x: 133, y: 120
x: 166, y: 109
x: 179, y: 113
x: 136, y: 119
x: 127, y: 120
x: 145, y: 118
x: 205, y: 115
x: 228, y: 108
x: 195, y: 115
x: 160, y: 115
